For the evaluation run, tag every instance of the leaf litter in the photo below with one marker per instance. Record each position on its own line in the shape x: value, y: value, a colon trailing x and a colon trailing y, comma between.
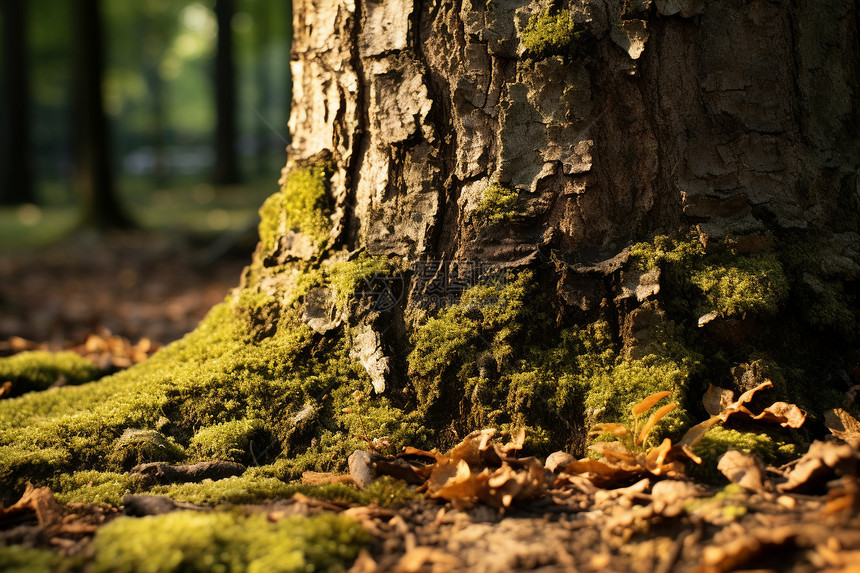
x: 633, y: 508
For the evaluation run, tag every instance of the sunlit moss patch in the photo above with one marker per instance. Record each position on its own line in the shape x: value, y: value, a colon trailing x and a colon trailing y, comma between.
x: 192, y: 541
x: 38, y: 370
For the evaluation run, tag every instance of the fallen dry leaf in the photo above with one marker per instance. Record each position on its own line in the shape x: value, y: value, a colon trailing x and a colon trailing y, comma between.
x: 39, y: 501
x: 716, y: 399
x: 557, y: 459
x: 843, y: 425
x: 603, y: 474
x: 745, y: 470
x: 475, y: 470
x: 785, y: 414
x: 427, y: 559
x: 719, y: 403
x: 820, y: 465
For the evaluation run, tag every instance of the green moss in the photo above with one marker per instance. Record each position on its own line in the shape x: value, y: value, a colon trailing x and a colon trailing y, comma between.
x: 219, y: 541
x: 254, y: 487
x: 487, y: 319
x: 136, y: 447
x: 347, y: 277
x: 303, y: 206
x: 719, y: 440
x: 611, y: 395
x: 729, y: 283
x: 554, y: 33
x: 553, y: 385
x: 94, y: 487
x: 18, y: 465
x: 736, y: 285
x: 231, y: 441
x: 499, y: 204
x: 248, y: 488
x: 17, y: 559
x: 201, y: 392
x: 727, y: 500
x: 37, y: 370
x: 663, y: 251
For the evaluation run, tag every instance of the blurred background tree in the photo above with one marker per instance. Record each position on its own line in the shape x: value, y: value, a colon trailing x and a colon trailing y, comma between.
x: 17, y: 182
x: 159, y: 89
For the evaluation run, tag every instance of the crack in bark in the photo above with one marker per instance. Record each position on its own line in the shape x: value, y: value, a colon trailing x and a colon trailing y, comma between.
x: 361, y: 138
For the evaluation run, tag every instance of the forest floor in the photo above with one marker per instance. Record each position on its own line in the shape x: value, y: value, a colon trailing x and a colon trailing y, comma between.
x: 139, y: 286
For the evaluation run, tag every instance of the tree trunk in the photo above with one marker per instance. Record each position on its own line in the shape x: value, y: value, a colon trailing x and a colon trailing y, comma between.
x: 94, y: 183
x: 467, y: 140
x: 501, y: 214
x: 738, y: 120
x: 17, y: 184
x: 226, y: 160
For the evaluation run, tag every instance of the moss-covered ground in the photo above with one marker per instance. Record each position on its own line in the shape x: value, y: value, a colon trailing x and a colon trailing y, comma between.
x: 38, y: 370
x: 280, y: 400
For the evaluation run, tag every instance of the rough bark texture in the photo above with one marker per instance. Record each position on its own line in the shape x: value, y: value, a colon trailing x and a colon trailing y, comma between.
x: 738, y: 117
x: 458, y: 132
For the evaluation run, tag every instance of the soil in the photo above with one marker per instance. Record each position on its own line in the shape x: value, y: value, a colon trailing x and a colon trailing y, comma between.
x: 133, y: 285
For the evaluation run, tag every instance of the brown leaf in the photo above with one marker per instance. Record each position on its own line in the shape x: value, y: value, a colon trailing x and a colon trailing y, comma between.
x: 843, y: 425
x: 716, y: 399
x: 41, y: 502
x: 785, y: 414
x: 603, y: 474
x: 557, y: 460
x: 518, y: 438
x: 410, y: 451
x: 743, y: 469
x: 695, y: 434
x: 819, y: 465
x: 452, y: 479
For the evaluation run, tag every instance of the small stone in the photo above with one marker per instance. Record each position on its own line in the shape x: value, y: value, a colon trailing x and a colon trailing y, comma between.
x: 786, y: 501
x: 362, y: 467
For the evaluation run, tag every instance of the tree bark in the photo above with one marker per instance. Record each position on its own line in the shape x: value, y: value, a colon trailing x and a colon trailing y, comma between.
x: 94, y: 183
x: 467, y: 135
x: 736, y: 120
x: 226, y: 159
x: 17, y: 184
